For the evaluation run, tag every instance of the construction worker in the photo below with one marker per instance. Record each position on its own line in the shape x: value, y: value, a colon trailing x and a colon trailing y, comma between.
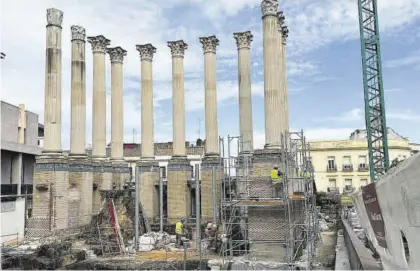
x: 275, y: 176
x: 179, y: 232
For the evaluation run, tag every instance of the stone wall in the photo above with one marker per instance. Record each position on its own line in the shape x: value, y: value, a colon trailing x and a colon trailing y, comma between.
x: 207, y: 187
x: 148, y: 175
x: 81, y: 177
x: 179, y: 172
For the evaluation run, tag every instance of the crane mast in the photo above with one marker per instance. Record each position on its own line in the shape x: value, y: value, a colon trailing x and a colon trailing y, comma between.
x: 373, y: 89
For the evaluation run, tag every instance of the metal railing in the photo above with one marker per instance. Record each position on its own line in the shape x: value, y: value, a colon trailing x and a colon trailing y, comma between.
x: 347, y: 167
x: 332, y: 168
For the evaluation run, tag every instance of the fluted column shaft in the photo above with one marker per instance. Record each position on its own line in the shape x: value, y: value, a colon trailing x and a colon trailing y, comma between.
x: 147, y: 119
x: 52, y: 111
x: 272, y: 99
x: 210, y: 94
x: 284, y: 35
x: 99, y: 44
x: 78, y: 91
x: 178, y: 115
x: 243, y: 42
x: 117, y: 119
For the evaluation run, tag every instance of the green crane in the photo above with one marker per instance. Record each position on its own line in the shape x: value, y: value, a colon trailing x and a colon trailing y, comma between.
x: 373, y: 89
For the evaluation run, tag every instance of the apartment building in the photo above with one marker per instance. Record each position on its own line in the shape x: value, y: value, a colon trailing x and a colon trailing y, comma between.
x: 343, y: 165
x: 19, y: 146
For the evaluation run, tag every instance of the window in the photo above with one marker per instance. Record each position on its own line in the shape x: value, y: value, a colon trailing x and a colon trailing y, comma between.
x: 332, y: 183
x: 348, y: 182
x: 192, y: 172
x: 163, y: 172
x: 363, y: 182
x: 346, y: 160
x: 331, y: 162
x: 347, y: 163
x: 362, y: 161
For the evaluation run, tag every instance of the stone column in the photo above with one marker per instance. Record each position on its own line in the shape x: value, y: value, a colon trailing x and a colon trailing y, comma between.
x: 120, y: 168
x: 147, y: 128
x: 210, y: 94
x: 285, y: 35
x: 271, y: 41
x: 102, y: 169
x: 51, y: 173
x: 52, y: 111
x: 117, y: 127
x: 148, y: 167
x: 179, y: 169
x: 178, y: 117
x: 282, y: 71
x: 243, y: 42
x: 99, y: 46
x: 212, y: 158
x: 78, y: 91
x: 80, y: 168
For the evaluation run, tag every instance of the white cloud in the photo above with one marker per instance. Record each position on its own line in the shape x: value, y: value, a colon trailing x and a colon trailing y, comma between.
x: 354, y: 114
x: 404, y: 115
x: 411, y: 60
x: 312, y: 24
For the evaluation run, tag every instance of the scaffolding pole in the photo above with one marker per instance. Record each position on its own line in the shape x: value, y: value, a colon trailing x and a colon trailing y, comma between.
x: 248, y: 193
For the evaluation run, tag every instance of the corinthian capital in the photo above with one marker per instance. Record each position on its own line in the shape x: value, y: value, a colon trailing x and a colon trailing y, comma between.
x: 243, y: 39
x: 209, y: 44
x: 280, y: 19
x: 285, y: 33
x: 116, y: 54
x: 54, y: 17
x: 78, y: 33
x: 269, y: 7
x: 146, y: 51
x: 99, y: 43
x: 178, y: 48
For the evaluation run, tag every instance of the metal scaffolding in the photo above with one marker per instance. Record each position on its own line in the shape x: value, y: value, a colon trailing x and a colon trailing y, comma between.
x: 262, y: 220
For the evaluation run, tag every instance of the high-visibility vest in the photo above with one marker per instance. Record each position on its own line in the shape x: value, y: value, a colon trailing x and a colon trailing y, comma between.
x: 179, y: 227
x: 274, y: 176
x: 299, y: 173
x: 308, y: 175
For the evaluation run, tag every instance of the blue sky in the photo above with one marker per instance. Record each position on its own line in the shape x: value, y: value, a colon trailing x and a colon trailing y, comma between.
x: 323, y: 54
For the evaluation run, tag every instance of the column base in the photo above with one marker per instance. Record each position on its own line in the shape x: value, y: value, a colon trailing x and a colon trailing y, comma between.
x: 51, y: 183
x: 80, y: 191
x: 148, y: 170
x: 207, y: 204
x: 178, y: 191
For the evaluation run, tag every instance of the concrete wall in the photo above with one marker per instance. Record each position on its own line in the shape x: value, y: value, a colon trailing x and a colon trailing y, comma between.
x: 31, y: 133
x: 9, y: 122
x: 28, y: 169
x: 6, y: 167
x: 13, y: 220
x: 321, y: 150
x: 398, y: 194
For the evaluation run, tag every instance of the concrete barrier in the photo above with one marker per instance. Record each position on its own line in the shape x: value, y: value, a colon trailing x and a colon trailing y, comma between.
x: 359, y: 256
x: 398, y: 194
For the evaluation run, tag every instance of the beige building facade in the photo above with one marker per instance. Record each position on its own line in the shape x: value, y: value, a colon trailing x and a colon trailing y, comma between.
x: 343, y: 165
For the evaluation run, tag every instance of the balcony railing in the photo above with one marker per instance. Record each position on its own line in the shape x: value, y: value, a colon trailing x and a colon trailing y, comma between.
x: 347, y: 167
x: 363, y: 167
x: 331, y: 168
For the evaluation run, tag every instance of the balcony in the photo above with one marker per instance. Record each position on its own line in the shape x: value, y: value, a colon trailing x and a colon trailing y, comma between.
x: 332, y: 168
x: 348, y: 189
x: 347, y: 168
x: 363, y: 167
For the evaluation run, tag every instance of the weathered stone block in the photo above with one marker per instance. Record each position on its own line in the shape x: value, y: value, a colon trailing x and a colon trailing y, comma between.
x: 81, y: 178
x: 179, y: 172
x: 148, y: 174
x: 207, y: 186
